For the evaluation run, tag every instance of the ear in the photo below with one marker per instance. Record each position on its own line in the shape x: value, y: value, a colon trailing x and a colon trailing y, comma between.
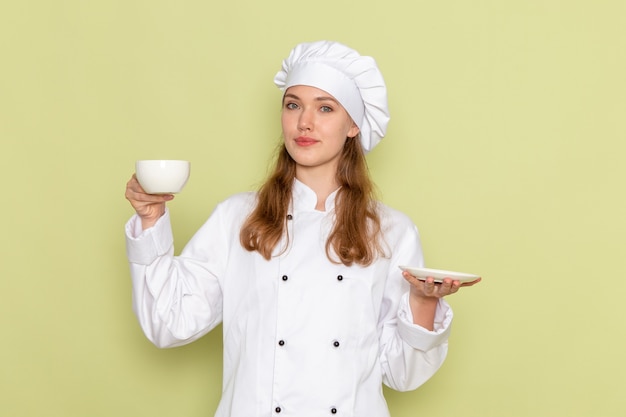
x: 354, y: 130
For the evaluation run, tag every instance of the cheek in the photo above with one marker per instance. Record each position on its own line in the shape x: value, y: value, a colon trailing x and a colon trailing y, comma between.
x: 286, y: 121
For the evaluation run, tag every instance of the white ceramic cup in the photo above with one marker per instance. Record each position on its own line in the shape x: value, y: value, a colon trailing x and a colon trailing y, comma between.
x: 162, y: 176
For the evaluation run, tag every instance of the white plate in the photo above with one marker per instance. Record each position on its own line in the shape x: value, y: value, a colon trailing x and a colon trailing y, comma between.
x: 438, y: 274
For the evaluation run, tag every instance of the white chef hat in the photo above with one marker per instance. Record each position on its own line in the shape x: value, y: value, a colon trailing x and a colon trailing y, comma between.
x: 354, y: 80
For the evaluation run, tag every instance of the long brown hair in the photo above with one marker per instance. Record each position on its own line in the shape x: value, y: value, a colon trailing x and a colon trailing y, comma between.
x: 355, y: 237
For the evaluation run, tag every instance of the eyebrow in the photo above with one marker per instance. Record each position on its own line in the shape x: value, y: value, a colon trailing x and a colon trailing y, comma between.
x: 320, y: 98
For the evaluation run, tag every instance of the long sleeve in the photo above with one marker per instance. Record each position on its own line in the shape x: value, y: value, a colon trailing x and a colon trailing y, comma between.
x: 410, y: 354
x: 176, y: 299
x: 413, y: 354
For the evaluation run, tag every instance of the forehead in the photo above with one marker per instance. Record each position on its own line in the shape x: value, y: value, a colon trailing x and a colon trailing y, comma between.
x: 309, y: 93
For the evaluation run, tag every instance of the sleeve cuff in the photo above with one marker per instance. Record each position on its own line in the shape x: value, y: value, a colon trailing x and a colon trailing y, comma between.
x: 417, y: 336
x: 144, y: 246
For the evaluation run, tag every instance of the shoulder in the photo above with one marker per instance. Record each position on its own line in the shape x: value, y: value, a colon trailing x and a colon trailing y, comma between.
x: 241, y: 199
x: 400, y: 235
x: 229, y: 214
x: 392, y: 218
x: 238, y: 204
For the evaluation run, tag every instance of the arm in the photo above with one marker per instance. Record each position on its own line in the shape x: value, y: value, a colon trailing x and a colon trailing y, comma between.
x: 418, y: 336
x: 415, y: 329
x: 176, y: 299
x: 410, y: 353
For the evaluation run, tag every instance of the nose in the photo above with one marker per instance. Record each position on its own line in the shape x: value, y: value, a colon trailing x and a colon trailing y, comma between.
x: 305, y: 121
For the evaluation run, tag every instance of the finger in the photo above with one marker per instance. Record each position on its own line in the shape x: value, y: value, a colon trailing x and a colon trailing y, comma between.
x: 134, y: 184
x: 132, y: 181
x: 430, y: 288
x: 411, y: 279
x: 470, y: 283
x: 455, y: 286
x: 151, y: 198
x: 446, y: 286
x: 135, y: 191
x: 145, y: 204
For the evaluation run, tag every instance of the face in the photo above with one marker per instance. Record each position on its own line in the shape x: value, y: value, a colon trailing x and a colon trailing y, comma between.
x: 315, y: 128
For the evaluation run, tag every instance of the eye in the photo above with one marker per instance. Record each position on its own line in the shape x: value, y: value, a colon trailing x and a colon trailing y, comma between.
x: 326, y: 109
x: 291, y: 106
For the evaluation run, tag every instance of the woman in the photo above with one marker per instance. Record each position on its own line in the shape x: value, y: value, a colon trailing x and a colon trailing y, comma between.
x: 303, y: 274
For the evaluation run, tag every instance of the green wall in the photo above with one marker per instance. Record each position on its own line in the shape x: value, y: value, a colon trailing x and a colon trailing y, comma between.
x: 506, y: 147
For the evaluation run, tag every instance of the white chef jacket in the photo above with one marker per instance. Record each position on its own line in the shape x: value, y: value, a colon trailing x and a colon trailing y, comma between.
x: 303, y: 337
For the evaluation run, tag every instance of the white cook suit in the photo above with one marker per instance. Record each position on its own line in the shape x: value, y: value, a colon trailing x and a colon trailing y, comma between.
x: 303, y: 337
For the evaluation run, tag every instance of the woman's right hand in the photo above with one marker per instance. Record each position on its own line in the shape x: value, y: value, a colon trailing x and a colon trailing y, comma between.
x: 149, y: 207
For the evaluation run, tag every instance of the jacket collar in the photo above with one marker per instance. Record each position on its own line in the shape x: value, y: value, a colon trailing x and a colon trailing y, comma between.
x: 305, y: 199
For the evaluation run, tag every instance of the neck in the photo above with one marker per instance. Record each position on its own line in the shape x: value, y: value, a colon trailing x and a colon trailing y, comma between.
x: 323, y: 185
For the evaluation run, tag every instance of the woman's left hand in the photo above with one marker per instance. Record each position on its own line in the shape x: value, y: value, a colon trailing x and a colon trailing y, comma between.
x: 430, y: 289
x: 425, y: 295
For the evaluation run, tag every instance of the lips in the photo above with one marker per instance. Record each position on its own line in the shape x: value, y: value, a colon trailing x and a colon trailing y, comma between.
x: 305, y: 141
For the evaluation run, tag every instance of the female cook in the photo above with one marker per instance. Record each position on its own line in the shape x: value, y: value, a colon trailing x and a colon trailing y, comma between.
x: 303, y: 274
